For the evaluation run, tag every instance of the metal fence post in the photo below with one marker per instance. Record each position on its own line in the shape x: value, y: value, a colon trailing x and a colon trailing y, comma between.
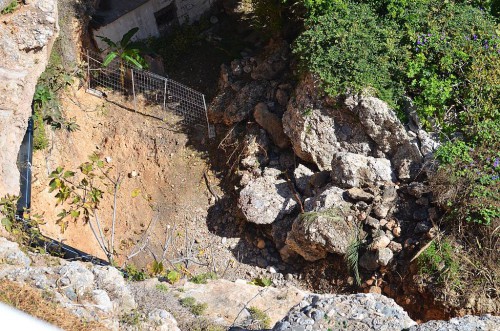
x: 165, y: 96
x: 133, y: 89
x: 88, y: 68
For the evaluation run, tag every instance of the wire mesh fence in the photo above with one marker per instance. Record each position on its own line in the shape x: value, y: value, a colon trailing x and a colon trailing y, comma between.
x: 141, y: 87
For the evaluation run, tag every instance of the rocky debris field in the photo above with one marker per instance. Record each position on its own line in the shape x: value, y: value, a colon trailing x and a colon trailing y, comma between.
x: 330, y: 179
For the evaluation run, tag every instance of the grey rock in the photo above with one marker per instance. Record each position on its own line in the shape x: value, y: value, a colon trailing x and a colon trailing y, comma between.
x: 355, y: 170
x: 102, y: 300
x: 386, y: 202
x: 302, y: 176
x: 318, y: 130
x: 422, y: 227
x: 81, y: 279
x: 111, y: 280
x: 384, y: 256
x: 266, y: 199
x: 368, y: 261
x: 358, y: 194
x: 10, y: 253
x: 357, y: 312
x: 161, y: 320
x: 417, y: 189
x: 466, y: 323
x: 372, y: 222
x: 316, y: 235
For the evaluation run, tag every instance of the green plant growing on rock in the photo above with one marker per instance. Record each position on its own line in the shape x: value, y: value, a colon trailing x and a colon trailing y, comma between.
x: 194, y: 307
x: 203, y: 278
x: 81, y: 194
x: 26, y: 230
x: 261, y: 281
x: 439, y: 261
x: 132, y: 273
x: 11, y: 7
x: 259, y: 318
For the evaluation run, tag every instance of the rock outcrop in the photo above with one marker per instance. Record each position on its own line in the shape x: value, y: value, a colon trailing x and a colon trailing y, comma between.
x: 26, y: 39
x: 91, y: 292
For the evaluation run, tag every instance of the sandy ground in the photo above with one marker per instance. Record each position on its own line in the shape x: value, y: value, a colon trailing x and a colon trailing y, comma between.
x: 166, y: 204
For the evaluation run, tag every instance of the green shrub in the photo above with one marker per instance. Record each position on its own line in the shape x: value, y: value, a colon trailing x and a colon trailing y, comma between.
x: 260, y: 319
x: 173, y: 276
x: 443, y: 54
x: 202, y: 278
x: 194, y: 307
x: 40, y: 140
x: 162, y: 287
x: 135, y: 274
x: 468, y: 179
x: 261, y: 281
x: 11, y: 7
x: 439, y: 261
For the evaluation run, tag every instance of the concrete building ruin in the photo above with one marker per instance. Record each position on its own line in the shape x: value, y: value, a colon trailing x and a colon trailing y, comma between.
x: 153, y: 17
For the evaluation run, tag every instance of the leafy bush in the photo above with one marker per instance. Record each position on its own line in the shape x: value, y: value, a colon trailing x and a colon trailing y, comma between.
x: 260, y: 318
x: 132, y: 273
x: 194, y: 307
x: 443, y: 54
x: 173, y: 276
x: 202, y: 278
x: 263, y: 282
x: 11, y: 7
x: 439, y: 261
x: 468, y: 180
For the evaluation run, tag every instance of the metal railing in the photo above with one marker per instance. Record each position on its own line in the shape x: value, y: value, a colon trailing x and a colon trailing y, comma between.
x: 146, y: 88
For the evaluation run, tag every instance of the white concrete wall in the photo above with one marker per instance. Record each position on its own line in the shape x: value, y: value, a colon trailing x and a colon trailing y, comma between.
x: 188, y: 11
x: 142, y: 17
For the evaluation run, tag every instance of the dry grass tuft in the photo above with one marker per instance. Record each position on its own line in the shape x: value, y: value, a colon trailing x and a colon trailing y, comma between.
x: 33, y: 302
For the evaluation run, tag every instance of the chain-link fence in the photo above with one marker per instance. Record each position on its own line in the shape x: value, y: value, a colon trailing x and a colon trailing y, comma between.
x: 142, y: 87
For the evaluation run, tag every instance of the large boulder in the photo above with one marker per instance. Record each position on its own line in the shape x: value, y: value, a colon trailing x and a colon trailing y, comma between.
x: 391, y: 137
x: 267, y: 198
x: 324, y: 228
x: 318, y: 128
x: 355, y: 170
x: 357, y: 312
x: 26, y: 39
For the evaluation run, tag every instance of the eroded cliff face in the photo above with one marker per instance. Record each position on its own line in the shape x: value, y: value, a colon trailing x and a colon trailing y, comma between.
x: 26, y: 39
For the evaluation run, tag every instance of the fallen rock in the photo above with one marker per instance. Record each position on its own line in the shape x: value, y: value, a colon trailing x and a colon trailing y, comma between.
x: 302, y: 176
x: 368, y: 261
x: 161, y: 320
x: 266, y: 199
x: 272, y: 124
x: 357, y: 312
x: 355, y: 170
x: 380, y: 242
x: 385, y: 202
x: 10, y: 253
x: 358, y: 194
x: 324, y: 227
x: 384, y: 256
x: 315, y: 234
x: 317, y: 129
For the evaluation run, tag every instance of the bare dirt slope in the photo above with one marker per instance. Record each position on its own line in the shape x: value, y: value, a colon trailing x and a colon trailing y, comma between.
x: 163, y: 195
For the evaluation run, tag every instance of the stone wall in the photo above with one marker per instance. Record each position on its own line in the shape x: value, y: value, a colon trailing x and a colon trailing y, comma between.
x: 26, y: 39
